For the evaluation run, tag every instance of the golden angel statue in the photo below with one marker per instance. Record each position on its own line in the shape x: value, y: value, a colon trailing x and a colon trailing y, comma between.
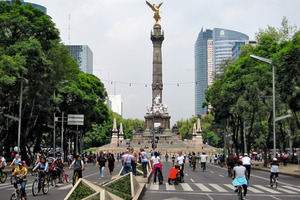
x: 156, y: 11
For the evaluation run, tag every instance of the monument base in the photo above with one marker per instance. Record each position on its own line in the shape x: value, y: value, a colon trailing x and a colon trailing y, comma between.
x: 167, y: 137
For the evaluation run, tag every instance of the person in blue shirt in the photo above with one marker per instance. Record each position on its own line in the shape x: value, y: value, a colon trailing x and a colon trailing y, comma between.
x: 144, y: 160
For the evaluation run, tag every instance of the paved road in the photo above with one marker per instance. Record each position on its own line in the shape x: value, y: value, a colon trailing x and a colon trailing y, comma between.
x: 214, y: 184
x: 90, y: 173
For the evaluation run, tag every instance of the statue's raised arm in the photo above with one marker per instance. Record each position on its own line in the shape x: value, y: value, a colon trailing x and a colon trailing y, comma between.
x: 156, y: 11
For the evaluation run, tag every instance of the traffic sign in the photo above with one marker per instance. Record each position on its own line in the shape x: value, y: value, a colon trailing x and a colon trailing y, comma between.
x: 75, y: 119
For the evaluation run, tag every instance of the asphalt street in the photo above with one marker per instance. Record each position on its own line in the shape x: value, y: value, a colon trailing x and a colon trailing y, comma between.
x: 214, y: 184
x: 90, y: 173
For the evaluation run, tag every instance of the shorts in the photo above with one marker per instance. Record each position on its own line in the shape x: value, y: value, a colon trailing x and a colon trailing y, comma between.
x: 111, y: 168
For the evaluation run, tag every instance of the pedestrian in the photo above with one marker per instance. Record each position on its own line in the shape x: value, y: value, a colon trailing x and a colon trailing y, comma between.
x: 134, y: 161
x: 101, y: 161
x: 247, y: 164
x: 203, y: 159
x: 111, y: 164
x: 156, y: 168
x: 180, y: 162
x: 127, y: 158
x: 144, y: 161
x: 285, y: 158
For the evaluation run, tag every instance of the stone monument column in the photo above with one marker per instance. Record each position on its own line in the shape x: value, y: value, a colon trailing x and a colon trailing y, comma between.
x: 114, y: 137
x: 157, y: 37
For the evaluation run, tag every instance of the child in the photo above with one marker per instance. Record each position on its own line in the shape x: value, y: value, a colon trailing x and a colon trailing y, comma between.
x: 174, y: 171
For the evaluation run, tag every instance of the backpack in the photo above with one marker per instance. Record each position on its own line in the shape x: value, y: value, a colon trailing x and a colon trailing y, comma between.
x: 77, y: 165
x: 52, y: 166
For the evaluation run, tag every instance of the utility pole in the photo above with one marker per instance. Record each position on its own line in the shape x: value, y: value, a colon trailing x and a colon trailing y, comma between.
x: 54, y: 132
x: 20, y: 114
x: 62, y: 132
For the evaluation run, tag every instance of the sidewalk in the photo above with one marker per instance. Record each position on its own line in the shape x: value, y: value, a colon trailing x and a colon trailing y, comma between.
x: 289, y: 169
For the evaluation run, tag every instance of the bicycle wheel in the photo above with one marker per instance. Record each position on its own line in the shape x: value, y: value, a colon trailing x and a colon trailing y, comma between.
x: 12, y: 179
x: 35, y: 187
x: 276, y: 183
x: 240, y: 191
x: 67, y: 178
x: 14, y: 196
x: 3, y: 177
x: 75, y: 178
x: 45, y: 187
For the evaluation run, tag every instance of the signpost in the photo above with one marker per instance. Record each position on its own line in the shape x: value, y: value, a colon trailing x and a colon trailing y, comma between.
x: 77, y: 120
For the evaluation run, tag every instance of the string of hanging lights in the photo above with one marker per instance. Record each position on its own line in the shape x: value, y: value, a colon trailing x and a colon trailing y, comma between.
x: 147, y: 84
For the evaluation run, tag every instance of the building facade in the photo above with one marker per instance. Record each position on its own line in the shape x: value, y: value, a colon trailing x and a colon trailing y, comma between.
x: 201, y: 69
x: 114, y: 102
x: 224, y: 40
x: 211, y: 49
x: 84, y: 57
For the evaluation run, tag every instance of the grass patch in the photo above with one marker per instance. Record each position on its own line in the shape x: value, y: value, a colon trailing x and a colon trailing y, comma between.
x: 140, y: 167
x: 122, y: 185
x: 121, y: 195
x: 91, y: 149
x: 81, y: 192
x: 95, y: 198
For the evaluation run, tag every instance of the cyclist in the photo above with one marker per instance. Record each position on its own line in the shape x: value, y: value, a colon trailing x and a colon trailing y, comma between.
x: 190, y: 159
x: 60, y: 167
x: 52, y: 169
x: 36, y: 158
x: 43, y: 166
x: 166, y: 156
x: 247, y: 163
x: 2, y: 163
x: 78, y: 166
x: 69, y: 159
x: 20, y: 173
x: 15, y: 161
x: 240, y: 177
x: 274, y: 170
x: 230, y: 162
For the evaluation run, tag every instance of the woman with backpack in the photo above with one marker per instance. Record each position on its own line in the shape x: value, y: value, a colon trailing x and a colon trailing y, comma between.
x: 78, y: 166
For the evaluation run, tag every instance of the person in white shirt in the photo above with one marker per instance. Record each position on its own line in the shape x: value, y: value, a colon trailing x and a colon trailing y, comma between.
x: 240, y: 178
x: 2, y: 163
x: 203, y: 159
x: 180, y: 161
x: 156, y: 167
x: 247, y: 163
x: 274, y: 170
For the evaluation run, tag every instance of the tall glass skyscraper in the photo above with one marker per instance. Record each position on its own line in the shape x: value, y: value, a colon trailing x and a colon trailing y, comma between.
x: 224, y: 40
x: 84, y: 57
x: 35, y: 5
x: 211, y: 48
x: 201, y: 70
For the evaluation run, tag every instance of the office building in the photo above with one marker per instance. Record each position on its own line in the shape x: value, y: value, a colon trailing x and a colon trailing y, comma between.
x: 114, y: 102
x: 223, y: 41
x: 84, y: 57
x: 211, y: 49
x: 201, y: 68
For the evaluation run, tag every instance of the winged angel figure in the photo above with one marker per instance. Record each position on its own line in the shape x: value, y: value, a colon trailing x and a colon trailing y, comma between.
x: 156, y: 11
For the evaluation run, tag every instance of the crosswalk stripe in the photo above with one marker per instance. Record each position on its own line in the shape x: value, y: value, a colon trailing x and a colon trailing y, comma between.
x: 291, y: 188
x: 65, y: 187
x: 254, y: 190
x: 217, y: 187
x: 267, y: 189
x: 286, y: 191
x: 203, y: 187
x: 170, y: 187
x: 230, y: 186
x: 154, y: 187
x: 186, y: 187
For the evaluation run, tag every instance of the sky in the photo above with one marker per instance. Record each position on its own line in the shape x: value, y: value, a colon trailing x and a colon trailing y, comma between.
x: 118, y: 33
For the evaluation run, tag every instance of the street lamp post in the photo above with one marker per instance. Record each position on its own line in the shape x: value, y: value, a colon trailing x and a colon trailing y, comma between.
x: 274, y: 106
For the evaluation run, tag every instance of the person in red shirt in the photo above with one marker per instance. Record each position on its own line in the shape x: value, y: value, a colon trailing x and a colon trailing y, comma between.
x: 174, y: 171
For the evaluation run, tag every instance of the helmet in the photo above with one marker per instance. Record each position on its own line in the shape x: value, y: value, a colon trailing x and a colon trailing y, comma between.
x: 245, y: 154
x: 274, y: 159
x: 20, y: 163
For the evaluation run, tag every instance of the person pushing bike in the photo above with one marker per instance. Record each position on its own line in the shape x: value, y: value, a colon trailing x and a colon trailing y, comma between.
x: 20, y: 172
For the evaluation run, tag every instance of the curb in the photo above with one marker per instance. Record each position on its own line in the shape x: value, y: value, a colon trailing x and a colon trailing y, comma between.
x: 283, y: 173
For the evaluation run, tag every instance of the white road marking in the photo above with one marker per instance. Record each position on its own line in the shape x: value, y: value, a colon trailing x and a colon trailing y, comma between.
x: 186, y: 187
x: 267, y: 189
x: 154, y: 187
x: 287, y: 191
x: 209, y: 197
x: 170, y: 187
x: 65, y: 187
x: 221, y: 175
x: 230, y: 186
x: 275, y: 198
x: 203, y: 187
x: 252, y: 189
x: 291, y: 188
x: 192, y: 181
x: 212, y: 172
x: 186, y: 174
x: 217, y: 187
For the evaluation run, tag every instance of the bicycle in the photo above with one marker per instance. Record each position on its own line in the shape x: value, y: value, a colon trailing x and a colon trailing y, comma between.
x: 240, y: 192
x: 75, y: 177
x: 17, y: 194
x: 64, y: 177
x: 3, y: 176
x: 12, y: 179
x: 274, y: 181
x: 35, y: 172
x: 40, y: 184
